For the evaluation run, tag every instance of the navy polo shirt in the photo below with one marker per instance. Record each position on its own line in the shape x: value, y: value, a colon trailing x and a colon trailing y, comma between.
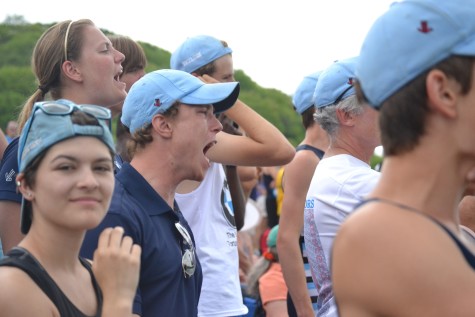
x: 9, y: 171
x: 163, y: 289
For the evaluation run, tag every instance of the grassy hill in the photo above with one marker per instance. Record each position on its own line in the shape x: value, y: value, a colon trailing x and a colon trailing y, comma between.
x: 17, y: 82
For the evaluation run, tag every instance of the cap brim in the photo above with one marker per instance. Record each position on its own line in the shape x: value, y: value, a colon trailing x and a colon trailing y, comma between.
x: 25, y: 220
x: 221, y: 95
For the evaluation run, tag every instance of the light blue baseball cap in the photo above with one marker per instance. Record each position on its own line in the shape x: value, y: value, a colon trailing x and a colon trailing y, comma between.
x: 50, y: 123
x: 197, y: 52
x: 336, y: 83
x: 303, y: 97
x: 408, y: 39
x: 157, y: 91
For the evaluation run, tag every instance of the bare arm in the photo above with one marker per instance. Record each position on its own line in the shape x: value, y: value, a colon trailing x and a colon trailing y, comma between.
x: 263, y: 145
x: 237, y: 195
x: 10, y: 233
x: 276, y: 308
x: 298, y: 175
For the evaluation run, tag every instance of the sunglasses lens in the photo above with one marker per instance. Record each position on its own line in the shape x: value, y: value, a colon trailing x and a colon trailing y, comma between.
x: 98, y: 112
x: 188, y: 258
x: 56, y: 108
x: 188, y: 263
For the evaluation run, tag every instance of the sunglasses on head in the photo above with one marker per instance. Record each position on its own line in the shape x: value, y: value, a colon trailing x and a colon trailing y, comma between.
x: 54, y: 108
x: 188, y: 260
x: 61, y: 109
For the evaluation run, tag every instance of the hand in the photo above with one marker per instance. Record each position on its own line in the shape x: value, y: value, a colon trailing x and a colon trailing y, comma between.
x: 208, y: 79
x: 116, y: 266
x: 228, y: 125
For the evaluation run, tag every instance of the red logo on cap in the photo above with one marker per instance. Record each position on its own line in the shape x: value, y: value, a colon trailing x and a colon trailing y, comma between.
x: 157, y: 103
x: 424, y: 27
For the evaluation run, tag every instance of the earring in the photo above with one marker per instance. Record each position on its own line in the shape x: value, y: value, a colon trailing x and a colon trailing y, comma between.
x: 18, y: 183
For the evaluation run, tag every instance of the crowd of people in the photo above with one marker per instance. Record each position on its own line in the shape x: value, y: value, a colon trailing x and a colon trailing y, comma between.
x: 199, y: 206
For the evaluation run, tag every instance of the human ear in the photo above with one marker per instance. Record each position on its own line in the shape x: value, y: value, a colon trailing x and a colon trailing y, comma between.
x: 345, y: 117
x: 162, y: 125
x: 442, y: 93
x: 71, y: 71
x: 24, y: 189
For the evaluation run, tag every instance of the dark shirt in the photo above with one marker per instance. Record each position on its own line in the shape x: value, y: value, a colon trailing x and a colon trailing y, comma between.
x: 22, y: 259
x: 319, y: 153
x: 9, y: 171
x: 163, y: 289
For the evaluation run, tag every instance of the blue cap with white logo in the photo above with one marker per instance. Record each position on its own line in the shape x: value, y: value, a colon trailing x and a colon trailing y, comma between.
x: 197, y: 52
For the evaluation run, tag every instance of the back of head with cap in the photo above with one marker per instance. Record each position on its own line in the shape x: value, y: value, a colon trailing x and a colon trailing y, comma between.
x: 158, y: 91
x: 197, y: 52
x: 303, y: 97
x: 411, y: 37
x: 335, y: 83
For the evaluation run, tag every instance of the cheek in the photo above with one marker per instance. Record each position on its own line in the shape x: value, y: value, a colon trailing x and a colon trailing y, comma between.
x: 108, y: 185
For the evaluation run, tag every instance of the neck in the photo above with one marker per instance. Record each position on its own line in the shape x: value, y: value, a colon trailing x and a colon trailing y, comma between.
x: 346, y: 142
x: 316, y: 137
x: 158, y: 174
x: 54, y: 247
x: 434, y: 186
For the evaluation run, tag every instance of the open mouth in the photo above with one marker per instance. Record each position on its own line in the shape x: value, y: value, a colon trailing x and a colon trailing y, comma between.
x: 208, y: 146
x: 117, y: 76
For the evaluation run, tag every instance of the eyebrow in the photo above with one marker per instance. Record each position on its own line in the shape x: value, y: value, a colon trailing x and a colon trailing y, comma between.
x: 74, y: 159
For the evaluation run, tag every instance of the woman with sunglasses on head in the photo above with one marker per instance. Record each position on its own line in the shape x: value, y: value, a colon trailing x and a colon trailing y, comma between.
x: 72, y: 60
x: 67, y: 191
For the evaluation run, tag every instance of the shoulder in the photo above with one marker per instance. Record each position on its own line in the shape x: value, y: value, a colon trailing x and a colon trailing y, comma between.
x: 301, y: 168
x: 397, y: 255
x: 18, y: 287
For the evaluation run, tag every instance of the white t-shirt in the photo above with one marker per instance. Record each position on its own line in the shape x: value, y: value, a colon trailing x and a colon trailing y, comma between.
x: 210, y: 214
x: 339, y: 183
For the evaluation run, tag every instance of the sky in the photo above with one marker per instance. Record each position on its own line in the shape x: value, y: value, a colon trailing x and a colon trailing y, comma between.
x: 275, y: 42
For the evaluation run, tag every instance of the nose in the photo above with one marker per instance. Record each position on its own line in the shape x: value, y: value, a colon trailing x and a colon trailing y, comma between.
x: 215, y: 124
x: 120, y: 57
x: 87, y: 179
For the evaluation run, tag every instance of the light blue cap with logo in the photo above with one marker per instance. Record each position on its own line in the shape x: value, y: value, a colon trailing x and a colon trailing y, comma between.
x: 336, y: 83
x: 197, y: 52
x: 303, y: 97
x: 408, y: 39
x: 157, y: 91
